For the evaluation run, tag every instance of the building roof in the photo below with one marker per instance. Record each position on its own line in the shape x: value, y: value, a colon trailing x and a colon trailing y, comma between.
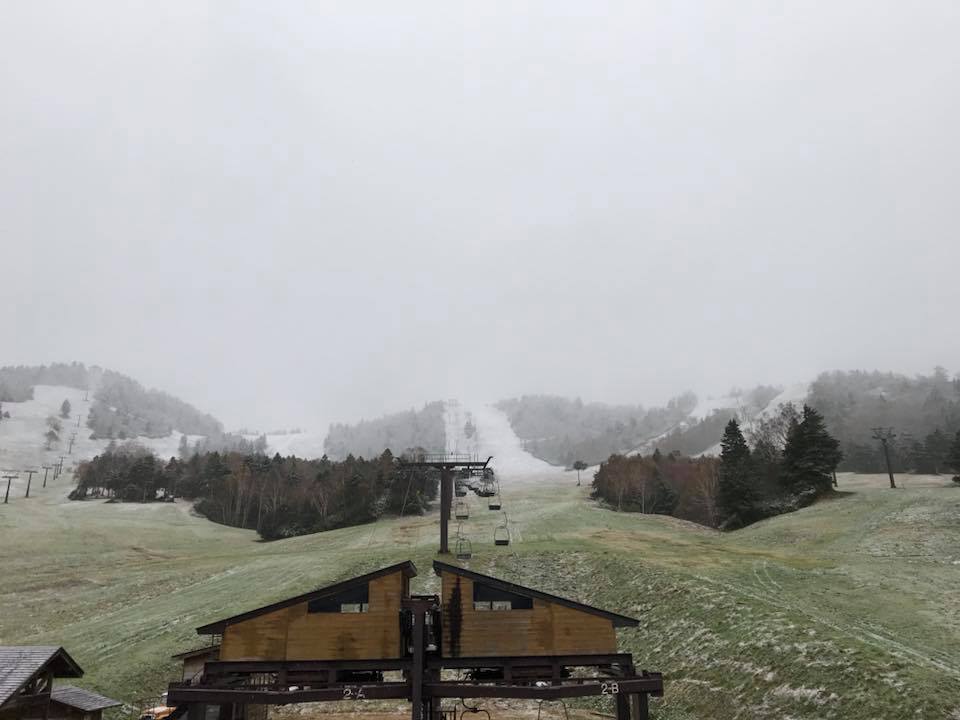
x: 20, y: 663
x: 82, y: 699
x: 617, y: 619
x: 406, y: 567
x: 205, y: 650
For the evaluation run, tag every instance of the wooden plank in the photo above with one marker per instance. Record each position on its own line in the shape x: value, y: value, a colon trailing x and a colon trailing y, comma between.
x: 548, y: 629
x: 293, y: 633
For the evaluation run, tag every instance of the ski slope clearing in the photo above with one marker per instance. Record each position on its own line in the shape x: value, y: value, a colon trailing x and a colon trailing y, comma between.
x: 846, y: 609
x: 22, y: 443
x: 494, y: 436
x: 307, y: 444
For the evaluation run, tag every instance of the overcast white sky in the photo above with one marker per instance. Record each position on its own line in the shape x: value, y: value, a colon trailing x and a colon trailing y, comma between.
x: 298, y: 212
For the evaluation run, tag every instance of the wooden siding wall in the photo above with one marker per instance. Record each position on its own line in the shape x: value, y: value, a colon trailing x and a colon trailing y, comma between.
x: 547, y: 629
x: 294, y: 634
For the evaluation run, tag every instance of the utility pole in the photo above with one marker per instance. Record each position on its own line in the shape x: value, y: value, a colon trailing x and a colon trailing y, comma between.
x: 30, y: 474
x: 60, y: 471
x: 8, y: 478
x: 73, y: 437
x: 46, y: 469
x: 885, y: 435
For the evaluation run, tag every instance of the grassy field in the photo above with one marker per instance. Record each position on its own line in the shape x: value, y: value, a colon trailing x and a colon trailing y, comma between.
x: 848, y: 609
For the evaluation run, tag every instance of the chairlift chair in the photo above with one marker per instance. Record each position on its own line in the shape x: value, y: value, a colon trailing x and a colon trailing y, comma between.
x: 501, y: 535
x: 461, y: 511
x: 464, y: 549
x: 495, y: 502
x: 460, y: 490
x: 486, y: 488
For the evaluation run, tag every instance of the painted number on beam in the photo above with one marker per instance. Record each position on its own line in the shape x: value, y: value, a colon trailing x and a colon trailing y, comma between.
x: 354, y: 693
x: 609, y: 688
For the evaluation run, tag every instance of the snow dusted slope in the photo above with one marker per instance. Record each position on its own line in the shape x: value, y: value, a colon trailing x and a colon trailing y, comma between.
x: 304, y: 444
x: 792, y: 395
x: 495, y: 437
x: 22, y: 443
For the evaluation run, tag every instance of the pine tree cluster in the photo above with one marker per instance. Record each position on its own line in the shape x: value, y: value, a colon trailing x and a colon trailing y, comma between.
x: 770, y: 480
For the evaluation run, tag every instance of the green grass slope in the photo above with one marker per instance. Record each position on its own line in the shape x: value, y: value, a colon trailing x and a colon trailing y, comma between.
x: 848, y: 609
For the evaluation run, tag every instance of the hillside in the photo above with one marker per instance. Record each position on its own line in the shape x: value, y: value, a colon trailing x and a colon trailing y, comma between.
x: 561, y: 430
x: 120, y: 407
x: 398, y: 432
x: 22, y: 443
x: 847, y: 609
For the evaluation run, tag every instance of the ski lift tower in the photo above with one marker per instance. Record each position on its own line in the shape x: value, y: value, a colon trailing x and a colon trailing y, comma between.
x: 446, y: 463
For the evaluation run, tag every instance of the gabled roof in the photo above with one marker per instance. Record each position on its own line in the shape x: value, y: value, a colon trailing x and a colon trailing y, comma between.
x: 82, y: 699
x: 206, y: 650
x: 617, y: 619
x: 406, y: 567
x: 19, y: 663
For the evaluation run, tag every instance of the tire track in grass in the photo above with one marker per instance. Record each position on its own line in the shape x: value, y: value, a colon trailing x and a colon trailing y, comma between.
x: 929, y: 654
x: 855, y: 631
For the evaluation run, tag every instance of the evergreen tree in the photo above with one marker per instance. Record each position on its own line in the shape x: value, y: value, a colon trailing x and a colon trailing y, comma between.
x: 665, y: 498
x: 183, y: 451
x: 937, y: 447
x: 810, y: 456
x: 65, y: 409
x: 737, y: 496
x: 953, y: 457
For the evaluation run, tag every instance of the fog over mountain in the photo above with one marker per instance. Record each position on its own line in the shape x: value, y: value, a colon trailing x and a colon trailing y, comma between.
x: 308, y: 212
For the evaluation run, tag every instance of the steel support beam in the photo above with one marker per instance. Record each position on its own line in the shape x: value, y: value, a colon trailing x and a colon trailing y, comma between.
x: 652, y: 685
x: 216, y: 696
x: 446, y: 502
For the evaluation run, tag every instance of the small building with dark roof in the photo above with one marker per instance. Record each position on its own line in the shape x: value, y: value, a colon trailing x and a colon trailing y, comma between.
x: 352, y: 640
x: 27, y: 691
x: 485, y: 616
x: 73, y: 703
x: 350, y: 620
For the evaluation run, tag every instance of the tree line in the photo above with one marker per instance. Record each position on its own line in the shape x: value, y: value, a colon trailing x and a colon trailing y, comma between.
x: 276, y: 496
x: 561, y: 430
x: 923, y: 411
x: 792, y: 462
x: 422, y: 428
x: 662, y: 484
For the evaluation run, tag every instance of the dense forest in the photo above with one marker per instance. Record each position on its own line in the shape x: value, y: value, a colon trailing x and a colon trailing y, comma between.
x: 662, y: 484
x: 121, y: 408
x: 561, y: 431
x: 17, y: 382
x: 278, y: 497
x: 922, y: 411
x: 411, y: 429
x: 791, y: 463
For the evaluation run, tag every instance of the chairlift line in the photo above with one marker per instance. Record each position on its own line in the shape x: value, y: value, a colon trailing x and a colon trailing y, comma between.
x: 501, y: 535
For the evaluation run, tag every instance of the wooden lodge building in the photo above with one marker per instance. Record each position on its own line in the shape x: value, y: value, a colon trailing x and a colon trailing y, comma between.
x: 27, y: 690
x: 370, y: 638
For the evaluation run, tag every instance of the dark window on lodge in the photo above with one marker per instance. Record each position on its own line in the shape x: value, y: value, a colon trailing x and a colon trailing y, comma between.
x: 353, y: 600
x: 487, y: 597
